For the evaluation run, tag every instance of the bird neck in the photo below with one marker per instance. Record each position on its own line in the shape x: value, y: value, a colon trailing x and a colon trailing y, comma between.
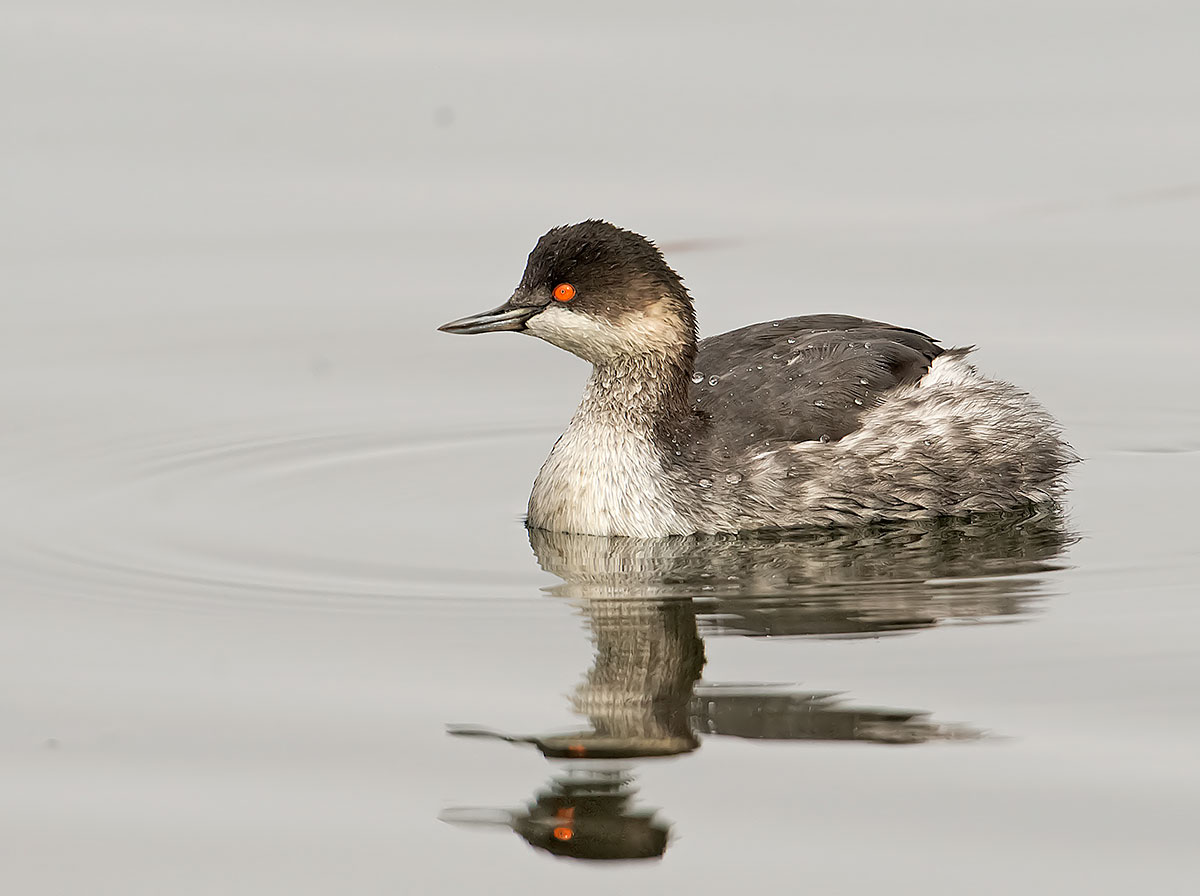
x: 639, y: 393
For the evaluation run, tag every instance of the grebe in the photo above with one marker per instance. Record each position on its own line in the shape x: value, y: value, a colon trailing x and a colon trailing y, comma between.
x: 823, y: 419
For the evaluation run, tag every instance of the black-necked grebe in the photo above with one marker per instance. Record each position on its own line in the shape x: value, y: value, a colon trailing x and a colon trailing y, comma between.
x: 818, y: 420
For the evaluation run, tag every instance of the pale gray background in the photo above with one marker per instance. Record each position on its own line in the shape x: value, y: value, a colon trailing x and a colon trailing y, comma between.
x: 258, y: 521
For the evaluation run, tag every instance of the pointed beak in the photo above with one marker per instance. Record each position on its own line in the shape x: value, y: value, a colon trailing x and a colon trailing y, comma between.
x: 506, y: 317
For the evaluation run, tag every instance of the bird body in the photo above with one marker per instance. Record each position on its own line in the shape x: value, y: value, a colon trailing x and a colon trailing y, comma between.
x: 814, y: 420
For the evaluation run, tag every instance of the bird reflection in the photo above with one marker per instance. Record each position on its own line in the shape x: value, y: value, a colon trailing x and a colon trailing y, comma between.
x: 648, y: 603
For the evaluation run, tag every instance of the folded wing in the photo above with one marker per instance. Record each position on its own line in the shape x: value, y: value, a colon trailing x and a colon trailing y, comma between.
x: 804, y: 378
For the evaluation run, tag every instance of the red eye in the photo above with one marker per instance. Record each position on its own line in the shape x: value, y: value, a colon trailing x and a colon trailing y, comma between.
x: 564, y: 292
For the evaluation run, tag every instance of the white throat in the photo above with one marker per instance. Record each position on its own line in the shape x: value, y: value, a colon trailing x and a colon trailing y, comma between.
x: 653, y: 329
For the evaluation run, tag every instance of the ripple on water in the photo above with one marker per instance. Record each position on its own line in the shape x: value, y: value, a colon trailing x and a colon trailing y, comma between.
x: 361, y: 518
x: 345, y: 517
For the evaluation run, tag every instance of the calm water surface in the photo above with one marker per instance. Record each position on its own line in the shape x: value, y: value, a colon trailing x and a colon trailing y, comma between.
x: 270, y: 620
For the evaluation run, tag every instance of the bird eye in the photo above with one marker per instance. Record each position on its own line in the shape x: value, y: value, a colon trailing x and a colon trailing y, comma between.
x: 564, y: 292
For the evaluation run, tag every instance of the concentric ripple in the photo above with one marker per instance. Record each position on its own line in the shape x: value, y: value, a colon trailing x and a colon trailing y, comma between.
x: 347, y: 516
x: 355, y: 516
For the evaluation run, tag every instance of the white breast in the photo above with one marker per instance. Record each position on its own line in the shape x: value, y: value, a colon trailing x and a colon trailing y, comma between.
x: 604, y: 479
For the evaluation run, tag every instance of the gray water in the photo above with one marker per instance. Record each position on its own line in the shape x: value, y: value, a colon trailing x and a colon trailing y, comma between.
x: 262, y: 565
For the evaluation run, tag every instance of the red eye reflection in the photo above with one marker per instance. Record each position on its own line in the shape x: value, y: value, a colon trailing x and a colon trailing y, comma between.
x: 564, y: 292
